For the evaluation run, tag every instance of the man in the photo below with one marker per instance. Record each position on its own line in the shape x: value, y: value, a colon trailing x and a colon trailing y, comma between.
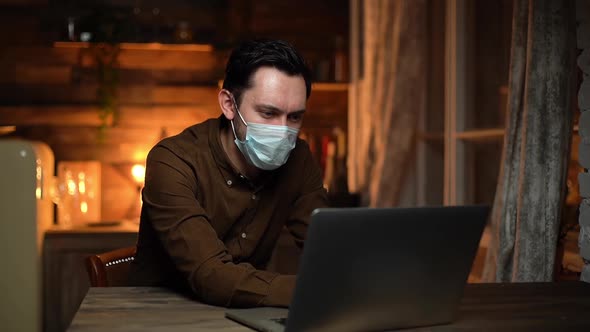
x: 217, y: 195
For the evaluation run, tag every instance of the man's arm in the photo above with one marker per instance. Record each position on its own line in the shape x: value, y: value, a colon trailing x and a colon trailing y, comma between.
x: 313, y: 196
x: 194, y: 246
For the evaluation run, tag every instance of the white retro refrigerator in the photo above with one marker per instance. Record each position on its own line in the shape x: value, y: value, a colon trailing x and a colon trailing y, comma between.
x: 26, y: 211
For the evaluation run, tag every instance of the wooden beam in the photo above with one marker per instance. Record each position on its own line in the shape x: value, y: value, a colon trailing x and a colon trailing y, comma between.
x: 56, y: 135
x: 204, y: 96
x: 84, y: 115
x: 43, y: 74
x: 144, y: 46
x: 49, y: 115
x: 130, y: 58
x: 173, y: 116
x: 144, y: 59
x: 106, y: 153
x: 185, y: 95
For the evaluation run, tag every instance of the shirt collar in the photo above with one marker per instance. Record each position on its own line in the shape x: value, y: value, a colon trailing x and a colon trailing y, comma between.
x: 228, y: 171
x: 219, y: 155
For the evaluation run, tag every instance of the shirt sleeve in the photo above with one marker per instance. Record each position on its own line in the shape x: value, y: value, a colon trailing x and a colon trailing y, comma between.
x: 313, y: 195
x: 189, y: 239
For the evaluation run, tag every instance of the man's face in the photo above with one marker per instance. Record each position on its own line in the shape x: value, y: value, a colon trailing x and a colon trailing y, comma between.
x: 275, y: 98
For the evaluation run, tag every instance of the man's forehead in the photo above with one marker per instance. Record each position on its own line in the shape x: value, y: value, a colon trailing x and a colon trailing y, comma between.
x: 265, y: 73
x: 273, y: 87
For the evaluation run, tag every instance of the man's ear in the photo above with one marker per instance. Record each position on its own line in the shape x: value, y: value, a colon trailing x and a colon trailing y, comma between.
x: 226, y: 103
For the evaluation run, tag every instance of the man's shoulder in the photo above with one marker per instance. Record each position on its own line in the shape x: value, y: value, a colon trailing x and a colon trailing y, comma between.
x: 190, y: 138
x: 189, y: 141
x: 301, y: 152
x: 301, y: 158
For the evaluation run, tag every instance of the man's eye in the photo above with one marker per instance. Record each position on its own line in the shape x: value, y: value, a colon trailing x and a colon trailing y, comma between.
x: 295, y: 117
x: 267, y: 114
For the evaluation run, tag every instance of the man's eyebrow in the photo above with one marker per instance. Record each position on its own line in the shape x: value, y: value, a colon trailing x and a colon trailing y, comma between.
x: 266, y: 107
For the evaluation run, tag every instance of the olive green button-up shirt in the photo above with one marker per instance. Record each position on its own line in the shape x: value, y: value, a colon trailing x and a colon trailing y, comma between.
x: 207, y: 228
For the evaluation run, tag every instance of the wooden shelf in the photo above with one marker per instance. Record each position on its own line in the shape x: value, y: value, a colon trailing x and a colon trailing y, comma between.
x: 143, y: 46
x: 329, y: 86
x: 475, y: 135
x: 479, y: 135
x: 5, y: 130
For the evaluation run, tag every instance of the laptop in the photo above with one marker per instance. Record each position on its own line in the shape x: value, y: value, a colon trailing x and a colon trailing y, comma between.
x: 375, y: 269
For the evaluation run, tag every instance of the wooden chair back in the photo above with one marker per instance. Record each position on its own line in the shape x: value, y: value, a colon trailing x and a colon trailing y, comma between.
x: 110, y: 269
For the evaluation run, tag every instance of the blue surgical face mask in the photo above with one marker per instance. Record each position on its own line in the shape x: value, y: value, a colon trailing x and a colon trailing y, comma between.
x: 265, y: 146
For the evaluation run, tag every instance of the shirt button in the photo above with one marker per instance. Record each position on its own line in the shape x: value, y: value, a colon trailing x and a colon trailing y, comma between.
x: 253, y: 196
x: 243, y: 235
x: 229, y: 183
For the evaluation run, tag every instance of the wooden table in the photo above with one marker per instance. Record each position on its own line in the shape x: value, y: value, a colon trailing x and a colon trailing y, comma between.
x: 147, y: 309
x: 563, y: 306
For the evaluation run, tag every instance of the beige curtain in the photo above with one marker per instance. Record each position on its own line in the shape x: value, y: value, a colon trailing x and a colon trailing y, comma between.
x: 583, y: 39
x: 530, y: 193
x: 388, y: 89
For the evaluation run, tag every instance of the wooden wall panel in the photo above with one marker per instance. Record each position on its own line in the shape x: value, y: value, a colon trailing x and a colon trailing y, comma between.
x: 119, y: 192
x: 57, y: 135
x: 164, y: 115
x: 38, y: 55
x: 42, y: 74
x: 15, y: 73
x: 185, y: 95
x: 149, y: 94
x: 168, y: 60
x: 105, y: 153
x: 58, y: 115
x: 13, y: 93
x: 129, y: 116
x: 128, y: 58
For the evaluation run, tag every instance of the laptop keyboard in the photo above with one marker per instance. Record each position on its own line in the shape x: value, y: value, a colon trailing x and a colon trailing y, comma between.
x: 282, y: 321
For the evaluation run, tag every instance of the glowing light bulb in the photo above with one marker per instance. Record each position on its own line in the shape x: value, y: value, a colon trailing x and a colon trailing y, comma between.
x: 138, y: 172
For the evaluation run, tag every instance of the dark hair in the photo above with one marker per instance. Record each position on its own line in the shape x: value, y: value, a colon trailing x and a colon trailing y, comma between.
x: 251, y: 55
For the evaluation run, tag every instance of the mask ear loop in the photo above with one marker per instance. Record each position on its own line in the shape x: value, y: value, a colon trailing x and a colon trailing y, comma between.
x: 240, y: 115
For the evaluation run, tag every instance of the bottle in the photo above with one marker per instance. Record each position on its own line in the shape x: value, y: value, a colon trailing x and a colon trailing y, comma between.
x: 340, y: 61
x: 183, y: 33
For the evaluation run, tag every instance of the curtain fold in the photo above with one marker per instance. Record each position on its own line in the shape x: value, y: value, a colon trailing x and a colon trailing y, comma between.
x: 388, y: 91
x: 530, y: 193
